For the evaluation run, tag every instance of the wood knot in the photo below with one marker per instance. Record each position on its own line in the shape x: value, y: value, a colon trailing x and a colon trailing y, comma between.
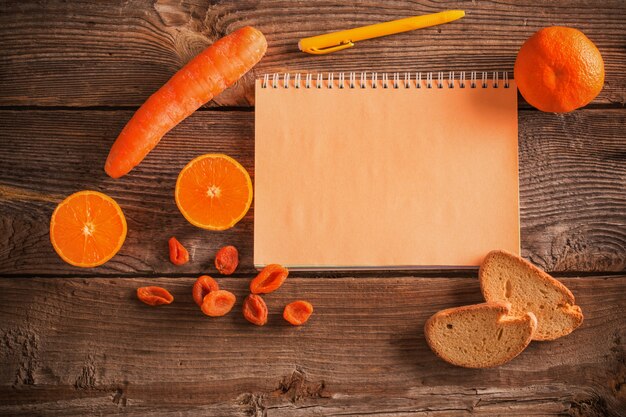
x: 22, y: 347
x: 594, y: 406
x: 87, y: 377
x: 296, y: 387
x: 291, y: 389
x: 119, y: 398
x: 253, y: 404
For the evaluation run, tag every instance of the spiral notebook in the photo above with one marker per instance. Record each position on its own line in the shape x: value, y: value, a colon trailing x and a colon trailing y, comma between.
x: 368, y: 171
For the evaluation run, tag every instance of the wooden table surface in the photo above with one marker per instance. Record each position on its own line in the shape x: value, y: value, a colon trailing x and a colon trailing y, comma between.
x: 77, y: 342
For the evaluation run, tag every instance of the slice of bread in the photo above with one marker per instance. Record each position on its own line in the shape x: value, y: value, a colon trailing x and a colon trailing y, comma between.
x: 509, y: 278
x: 479, y: 335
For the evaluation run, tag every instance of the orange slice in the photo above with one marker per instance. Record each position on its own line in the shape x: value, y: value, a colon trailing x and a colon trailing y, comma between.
x: 213, y: 192
x: 87, y: 229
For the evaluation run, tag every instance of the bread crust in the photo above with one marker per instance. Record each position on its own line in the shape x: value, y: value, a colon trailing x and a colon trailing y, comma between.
x: 569, y: 307
x: 502, y: 309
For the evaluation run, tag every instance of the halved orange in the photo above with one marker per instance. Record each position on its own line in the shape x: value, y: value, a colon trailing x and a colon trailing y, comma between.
x: 87, y: 229
x: 213, y: 191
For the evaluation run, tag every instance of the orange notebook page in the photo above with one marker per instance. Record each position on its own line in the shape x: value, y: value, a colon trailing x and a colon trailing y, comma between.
x: 384, y: 178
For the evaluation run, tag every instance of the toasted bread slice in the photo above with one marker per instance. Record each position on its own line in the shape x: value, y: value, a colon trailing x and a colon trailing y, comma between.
x: 479, y: 335
x: 509, y: 278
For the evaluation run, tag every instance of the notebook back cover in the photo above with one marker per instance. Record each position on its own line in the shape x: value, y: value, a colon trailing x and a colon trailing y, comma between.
x: 384, y: 177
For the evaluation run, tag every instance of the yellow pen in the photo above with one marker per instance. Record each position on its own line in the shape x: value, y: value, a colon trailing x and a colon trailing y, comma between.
x: 336, y: 41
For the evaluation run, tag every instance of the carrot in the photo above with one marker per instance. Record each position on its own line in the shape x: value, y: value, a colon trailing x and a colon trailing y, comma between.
x: 204, y: 77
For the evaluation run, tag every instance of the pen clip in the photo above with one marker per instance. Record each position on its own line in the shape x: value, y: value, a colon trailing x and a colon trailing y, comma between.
x: 328, y: 49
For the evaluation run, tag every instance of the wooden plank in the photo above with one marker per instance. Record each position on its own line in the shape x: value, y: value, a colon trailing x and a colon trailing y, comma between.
x: 87, y: 346
x: 572, y: 176
x: 82, y: 53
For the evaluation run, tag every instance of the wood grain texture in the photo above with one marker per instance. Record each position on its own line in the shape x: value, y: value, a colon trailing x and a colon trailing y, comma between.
x: 572, y: 177
x: 117, y: 53
x: 88, y: 346
x: 76, y: 346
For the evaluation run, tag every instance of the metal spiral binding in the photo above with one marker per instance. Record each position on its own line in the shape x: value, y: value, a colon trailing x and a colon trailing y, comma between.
x: 371, y: 80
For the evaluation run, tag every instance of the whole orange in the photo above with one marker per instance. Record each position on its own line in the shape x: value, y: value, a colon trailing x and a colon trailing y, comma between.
x: 559, y: 69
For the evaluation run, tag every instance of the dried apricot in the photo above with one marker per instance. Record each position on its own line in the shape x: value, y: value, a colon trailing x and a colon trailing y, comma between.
x: 218, y: 303
x: 269, y: 279
x: 298, y: 312
x: 255, y: 310
x: 154, y: 296
x: 178, y: 253
x: 203, y: 285
x: 226, y: 260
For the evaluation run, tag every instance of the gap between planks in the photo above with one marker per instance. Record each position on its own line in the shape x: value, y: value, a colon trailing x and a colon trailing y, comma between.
x: 439, y: 273
x: 522, y: 106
